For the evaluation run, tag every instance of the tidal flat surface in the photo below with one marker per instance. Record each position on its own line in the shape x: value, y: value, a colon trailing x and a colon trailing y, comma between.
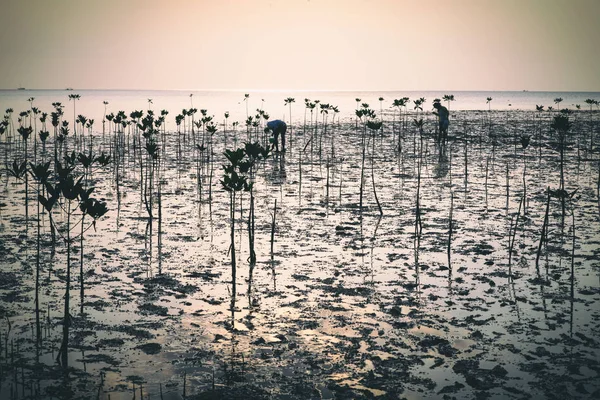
x: 349, y: 304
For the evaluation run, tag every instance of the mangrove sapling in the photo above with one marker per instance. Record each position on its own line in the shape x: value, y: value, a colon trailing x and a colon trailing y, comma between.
x: 360, y: 113
x: 325, y: 112
x: 448, y: 98
x: 104, y: 120
x: 572, y: 277
x: 235, y: 124
x: 19, y: 171
x: 539, y: 109
x: 289, y: 102
x: 374, y: 126
x: 557, y: 101
x: 74, y: 196
x: 25, y: 132
x: 3, y: 126
x: 397, y: 105
x: 357, y: 107
x: 82, y: 120
x: 524, y: 144
x: 311, y: 107
x: 233, y: 182
x: 591, y: 103
x: 489, y: 103
x: 253, y: 153
x: 225, y: 129
x: 184, y: 114
x: 150, y: 132
x: 86, y: 161
x: 306, y: 104
x: 211, y: 129
x: 246, y: 97
x: 74, y: 97
x: 450, y: 227
x: 249, y: 121
x: 315, y: 130
x: 418, y: 222
x: 191, y: 112
x: 418, y: 123
x: 381, y: 99
x: 561, y: 125
x: 332, y: 133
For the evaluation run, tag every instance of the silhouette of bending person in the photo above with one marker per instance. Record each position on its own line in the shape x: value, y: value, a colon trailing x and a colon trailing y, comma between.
x: 443, y: 114
x: 278, y: 127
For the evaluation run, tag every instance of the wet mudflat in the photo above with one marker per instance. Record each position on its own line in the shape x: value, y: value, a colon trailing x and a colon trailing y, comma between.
x: 452, y: 293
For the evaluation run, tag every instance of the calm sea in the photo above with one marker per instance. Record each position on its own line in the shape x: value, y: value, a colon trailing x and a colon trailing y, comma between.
x: 91, y: 102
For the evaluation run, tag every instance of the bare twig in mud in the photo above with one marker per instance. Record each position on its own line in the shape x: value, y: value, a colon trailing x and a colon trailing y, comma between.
x: 327, y: 167
x: 524, y: 144
x: 507, y: 186
x: 513, y: 233
x: 273, y: 228
x: 466, y: 164
x: 572, y: 278
x: 544, y: 234
x: 487, y: 164
x: 418, y: 223
x: 450, y: 225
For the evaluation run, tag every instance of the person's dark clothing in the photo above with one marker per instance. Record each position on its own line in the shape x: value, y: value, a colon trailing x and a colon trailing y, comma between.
x: 278, y: 127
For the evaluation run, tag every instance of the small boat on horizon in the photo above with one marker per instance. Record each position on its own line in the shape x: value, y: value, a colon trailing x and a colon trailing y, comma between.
x: 21, y: 88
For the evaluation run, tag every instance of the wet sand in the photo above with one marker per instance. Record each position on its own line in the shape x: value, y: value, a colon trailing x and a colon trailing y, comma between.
x: 350, y: 304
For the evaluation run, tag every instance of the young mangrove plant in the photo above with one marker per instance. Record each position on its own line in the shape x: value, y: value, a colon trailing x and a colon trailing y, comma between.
x: 561, y: 125
x: 525, y: 139
x: 448, y: 98
x: 234, y: 181
x: 74, y: 97
x: 374, y: 126
x: 40, y: 174
x: 367, y: 113
x: 25, y: 132
x: 289, y: 102
x: 557, y: 101
x: 67, y: 192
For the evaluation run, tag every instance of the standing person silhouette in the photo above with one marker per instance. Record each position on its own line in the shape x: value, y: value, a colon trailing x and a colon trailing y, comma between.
x: 278, y: 127
x: 443, y: 115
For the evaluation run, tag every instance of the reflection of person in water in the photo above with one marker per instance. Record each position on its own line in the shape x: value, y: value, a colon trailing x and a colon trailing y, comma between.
x: 441, y: 168
x: 278, y: 127
x: 278, y: 175
x: 443, y: 114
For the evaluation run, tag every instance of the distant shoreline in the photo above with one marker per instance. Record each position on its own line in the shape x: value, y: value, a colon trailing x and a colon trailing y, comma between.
x: 301, y: 90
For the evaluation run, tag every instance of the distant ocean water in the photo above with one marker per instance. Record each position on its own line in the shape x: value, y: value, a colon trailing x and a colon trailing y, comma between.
x: 218, y: 102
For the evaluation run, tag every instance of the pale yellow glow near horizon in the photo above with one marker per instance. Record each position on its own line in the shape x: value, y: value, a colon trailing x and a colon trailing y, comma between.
x: 301, y: 45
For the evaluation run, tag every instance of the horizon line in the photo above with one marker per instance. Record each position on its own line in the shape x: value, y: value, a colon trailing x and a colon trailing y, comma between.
x: 295, y: 90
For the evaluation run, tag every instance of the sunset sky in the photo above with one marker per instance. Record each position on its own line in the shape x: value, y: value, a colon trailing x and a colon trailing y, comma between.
x: 301, y: 44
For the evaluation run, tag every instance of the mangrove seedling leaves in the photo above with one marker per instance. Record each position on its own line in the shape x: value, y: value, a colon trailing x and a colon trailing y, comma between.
x: 17, y: 170
x: 47, y: 203
x: 86, y: 160
x: 40, y: 172
x: 103, y: 160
